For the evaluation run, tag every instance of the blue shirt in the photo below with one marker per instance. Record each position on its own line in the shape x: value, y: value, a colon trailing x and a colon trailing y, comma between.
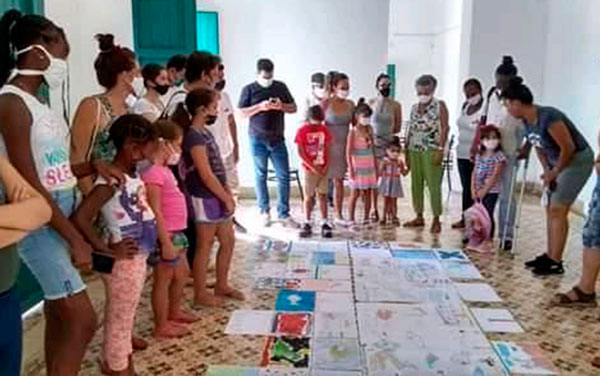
x: 193, y: 182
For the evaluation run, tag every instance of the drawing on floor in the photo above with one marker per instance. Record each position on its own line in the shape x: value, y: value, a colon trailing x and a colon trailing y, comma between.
x: 336, y: 354
x: 295, y: 301
x: 523, y: 358
x: 286, y: 351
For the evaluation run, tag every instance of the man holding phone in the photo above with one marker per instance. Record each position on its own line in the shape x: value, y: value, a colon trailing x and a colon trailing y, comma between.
x: 265, y: 102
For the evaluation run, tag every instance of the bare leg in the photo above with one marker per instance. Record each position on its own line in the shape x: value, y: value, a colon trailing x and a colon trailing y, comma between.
x: 367, y: 203
x: 558, y: 231
x: 323, y: 206
x: 375, y: 195
x: 176, y: 312
x: 163, y: 276
x: 226, y: 236
x: 339, y: 196
x: 352, y: 207
x: 394, y: 202
x: 386, y: 210
x: 309, y: 203
x: 206, y: 237
x: 591, y: 267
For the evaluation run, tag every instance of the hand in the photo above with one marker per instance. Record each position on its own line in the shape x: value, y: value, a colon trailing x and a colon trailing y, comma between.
x: 277, y: 105
x: 236, y: 153
x: 475, y: 194
x: 265, y: 105
x: 352, y: 173
x: 109, y: 172
x: 229, y: 204
x: 168, y: 252
x: 81, y: 255
x: 437, y: 157
x: 548, y: 177
x: 125, y: 249
x: 20, y: 193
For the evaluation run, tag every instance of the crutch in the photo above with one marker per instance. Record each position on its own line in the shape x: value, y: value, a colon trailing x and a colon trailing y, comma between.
x: 513, y: 182
x: 520, y: 207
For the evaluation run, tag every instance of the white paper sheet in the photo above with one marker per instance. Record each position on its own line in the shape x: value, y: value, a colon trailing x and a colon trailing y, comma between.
x: 334, y: 272
x: 334, y: 302
x: 461, y: 270
x: 335, y: 325
x: 498, y: 320
x: 477, y: 292
x: 251, y: 322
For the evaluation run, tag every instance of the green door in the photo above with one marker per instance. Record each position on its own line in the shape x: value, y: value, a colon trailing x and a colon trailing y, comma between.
x: 25, y: 6
x: 163, y: 28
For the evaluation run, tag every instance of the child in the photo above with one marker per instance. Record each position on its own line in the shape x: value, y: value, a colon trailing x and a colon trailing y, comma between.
x: 212, y: 201
x: 485, y: 183
x: 313, y: 141
x: 360, y: 152
x: 169, y: 206
x: 129, y: 236
x: 390, y: 186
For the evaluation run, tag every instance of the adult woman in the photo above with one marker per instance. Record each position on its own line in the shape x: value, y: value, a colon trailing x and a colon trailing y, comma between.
x: 156, y: 82
x: 338, y: 116
x: 36, y: 141
x: 567, y: 160
x: 427, y: 134
x: 467, y: 123
x: 116, y: 71
x: 16, y: 197
x: 386, y: 121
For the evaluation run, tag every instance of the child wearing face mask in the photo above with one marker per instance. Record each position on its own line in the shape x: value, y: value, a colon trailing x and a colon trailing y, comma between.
x: 212, y: 202
x: 362, y: 165
x: 170, y: 266
x: 486, y: 183
x: 390, y: 185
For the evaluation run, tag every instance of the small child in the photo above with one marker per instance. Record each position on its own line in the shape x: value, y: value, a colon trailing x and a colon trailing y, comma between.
x: 213, y: 204
x: 314, y: 140
x: 168, y: 203
x: 362, y: 165
x: 390, y: 186
x: 128, y: 239
x: 486, y: 182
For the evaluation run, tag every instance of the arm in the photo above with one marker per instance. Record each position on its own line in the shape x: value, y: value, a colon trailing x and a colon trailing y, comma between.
x: 202, y: 165
x: 525, y: 150
x: 397, y: 117
x: 155, y: 201
x: 288, y: 105
x: 349, y: 150
x: 489, y: 183
x: 234, y: 138
x: 372, y: 137
x: 246, y: 109
x: 560, y: 134
x: 82, y: 131
x: 86, y: 213
x: 307, y: 162
x: 444, y: 127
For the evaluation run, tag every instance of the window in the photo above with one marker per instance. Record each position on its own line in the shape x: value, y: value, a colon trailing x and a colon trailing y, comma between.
x: 207, y: 29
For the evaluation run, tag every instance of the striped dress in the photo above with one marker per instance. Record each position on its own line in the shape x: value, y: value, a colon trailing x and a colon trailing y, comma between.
x: 363, y: 160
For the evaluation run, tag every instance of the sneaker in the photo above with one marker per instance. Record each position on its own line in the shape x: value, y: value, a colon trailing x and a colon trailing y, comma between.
x: 539, y: 260
x: 266, y: 219
x: 239, y: 228
x: 548, y: 268
x: 326, y: 230
x: 508, y: 245
x: 341, y: 222
x: 289, y: 222
x: 306, y: 231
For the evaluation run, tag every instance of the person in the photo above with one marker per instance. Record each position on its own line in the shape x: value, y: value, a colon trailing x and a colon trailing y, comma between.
x: 116, y: 71
x: 171, y: 270
x: 314, y: 141
x: 317, y: 93
x: 339, y: 112
x: 212, y: 201
x: 16, y: 197
x: 391, y: 169
x: 265, y: 102
x: 362, y: 164
x: 511, y: 128
x: 467, y: 124
x: 175, y: 74
x: 151, y: 105
x: 426, y: 139
x: 567, y: 161
x: 129, y: 236
x: 485, y: 181
x: 387, y: 122
x: 225, y: 133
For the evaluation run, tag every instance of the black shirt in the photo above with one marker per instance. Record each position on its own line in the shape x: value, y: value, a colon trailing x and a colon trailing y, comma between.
x: 268, y: 124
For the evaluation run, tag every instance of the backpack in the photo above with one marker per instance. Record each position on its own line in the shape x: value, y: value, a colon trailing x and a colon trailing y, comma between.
x: 478, y: 227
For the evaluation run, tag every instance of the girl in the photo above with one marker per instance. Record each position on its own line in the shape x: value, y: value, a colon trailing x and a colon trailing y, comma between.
x: 170, y: 208
x: 390, y: 186
x: 486, y: 183
x: 361, y: 160
x: 212, y: 201
x: 156, y: 82
x: 129, y: 237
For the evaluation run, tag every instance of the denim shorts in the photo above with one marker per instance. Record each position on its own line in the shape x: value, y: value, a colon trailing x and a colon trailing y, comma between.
x: 47, y: 254
x: 591, y: 228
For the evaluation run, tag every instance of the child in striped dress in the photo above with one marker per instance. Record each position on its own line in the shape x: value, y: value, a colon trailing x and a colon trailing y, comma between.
x: 390, y: 187
x: 362, y: 165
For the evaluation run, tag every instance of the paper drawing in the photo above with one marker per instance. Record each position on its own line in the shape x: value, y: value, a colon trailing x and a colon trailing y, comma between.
x: 477, y: 292
x: 282, y: 371
x: 268, y: 283
x: 322, y: 372
x: 325, y: 285
x: 336, y: 354
x: 334, y: 302
x: 270, y: 270
x: 250, y: 322
x: 323, y: 258
x: 295, y: 301
x: 523, y: 358
x: 451, y: 255
x: 293, y: 324
x: 286, y: 351
x: 413, y: 254
x: 334, y: 272
x: 335, y: 325
x: 461, y: 270
x: 218, y: 370
x: 497, y: 320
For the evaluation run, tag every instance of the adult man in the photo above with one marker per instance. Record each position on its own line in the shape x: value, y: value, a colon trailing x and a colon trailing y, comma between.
x: 176, y: 74
x: 317, y: 92
x: 265, y: 102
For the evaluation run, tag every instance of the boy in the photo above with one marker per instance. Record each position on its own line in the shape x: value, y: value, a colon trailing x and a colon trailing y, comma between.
x: 313, y: 141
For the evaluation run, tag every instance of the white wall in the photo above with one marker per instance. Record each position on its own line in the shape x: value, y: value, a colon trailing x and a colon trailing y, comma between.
x: 301, y: 37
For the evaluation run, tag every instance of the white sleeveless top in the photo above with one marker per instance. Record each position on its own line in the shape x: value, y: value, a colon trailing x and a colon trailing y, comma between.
x: 50, y: 142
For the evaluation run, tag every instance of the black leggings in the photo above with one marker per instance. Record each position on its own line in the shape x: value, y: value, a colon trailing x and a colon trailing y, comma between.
x: 465, y: 170
x: 489, y: 201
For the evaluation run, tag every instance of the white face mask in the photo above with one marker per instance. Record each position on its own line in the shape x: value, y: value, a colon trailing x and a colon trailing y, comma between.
x: 137, y: 86
x: 342, y: 94
x: 423, y: 99
x: 54, y: 75
x: 264, y: 82
x: 364, y: 121
x: 474, y: 100
x: 490, y: 144
x: 174, y: 159
x: 319, y: 92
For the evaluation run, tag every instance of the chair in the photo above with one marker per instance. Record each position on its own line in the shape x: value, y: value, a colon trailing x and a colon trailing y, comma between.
x: 448, y: 163
x: 294, y: 176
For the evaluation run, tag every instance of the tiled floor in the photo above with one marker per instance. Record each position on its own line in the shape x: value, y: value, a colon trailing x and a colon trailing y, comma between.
x: 569, y: 336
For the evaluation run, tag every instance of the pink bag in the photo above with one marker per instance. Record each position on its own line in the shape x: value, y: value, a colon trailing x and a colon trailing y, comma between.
x: 478, y: 227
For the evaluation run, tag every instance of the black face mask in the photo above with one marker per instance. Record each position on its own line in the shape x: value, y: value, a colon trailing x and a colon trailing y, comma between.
x: 386, y: 91
x: 161, y: 89
x: 220, y: 85
x: 210, y: 119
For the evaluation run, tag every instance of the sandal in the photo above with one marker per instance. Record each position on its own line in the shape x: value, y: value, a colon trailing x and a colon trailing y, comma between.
x: 417, y: 222
x: 596, y: 361
x: 375, y: 217
x: 582, y: 299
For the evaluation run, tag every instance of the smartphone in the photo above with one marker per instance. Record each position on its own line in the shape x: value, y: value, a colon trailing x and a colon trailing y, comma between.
x: 102, y: 263
x: 273, y: 100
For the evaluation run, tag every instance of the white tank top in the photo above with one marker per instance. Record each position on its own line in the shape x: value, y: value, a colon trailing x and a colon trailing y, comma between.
x: 50, y: 142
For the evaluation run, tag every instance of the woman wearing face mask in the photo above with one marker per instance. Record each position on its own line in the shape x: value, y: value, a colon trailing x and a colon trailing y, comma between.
x: 156, y: 82
x: 386, y: 121
x: 467, y: 123
x: 117, y: 71
x: 338, y: 115
x: 426, y: 138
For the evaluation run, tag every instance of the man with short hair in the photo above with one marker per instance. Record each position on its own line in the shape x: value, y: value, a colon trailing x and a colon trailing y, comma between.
x: 176, y: 74
x: 317, y: 92
x: 266, y: 101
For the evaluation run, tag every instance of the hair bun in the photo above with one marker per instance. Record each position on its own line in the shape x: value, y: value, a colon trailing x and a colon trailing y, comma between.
x: 515, y: 81
x: 507, y: 60
x: 106, y: 42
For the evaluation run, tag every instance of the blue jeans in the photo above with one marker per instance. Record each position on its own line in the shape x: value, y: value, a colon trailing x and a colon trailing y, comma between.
x: 506, y: 221
x: 11, y: 339
x: 276, y: 151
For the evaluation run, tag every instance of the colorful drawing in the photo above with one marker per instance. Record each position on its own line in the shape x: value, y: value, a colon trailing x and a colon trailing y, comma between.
x: 322, y: 372
x: 336, y: 354
x: 286, y: 351
x: 413, y: 254
x: 295, y: 301
x: 461, y: 269
x: 218, y: 370
x: 282, y: 371
x: 267, y: 283
x: 324, y: 285
x: 323, y: 258
x: 293, y: 324
x: 523, y: 358
x: 451, y: 255
x: 335, y: 325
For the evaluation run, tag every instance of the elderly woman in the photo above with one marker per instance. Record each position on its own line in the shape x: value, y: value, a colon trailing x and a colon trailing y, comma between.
x: 427, y: 134
x: 567, y: 160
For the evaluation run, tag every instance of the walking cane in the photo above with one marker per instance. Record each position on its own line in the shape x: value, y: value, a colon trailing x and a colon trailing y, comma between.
x: 520, y: 206
x: 513, y: 182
